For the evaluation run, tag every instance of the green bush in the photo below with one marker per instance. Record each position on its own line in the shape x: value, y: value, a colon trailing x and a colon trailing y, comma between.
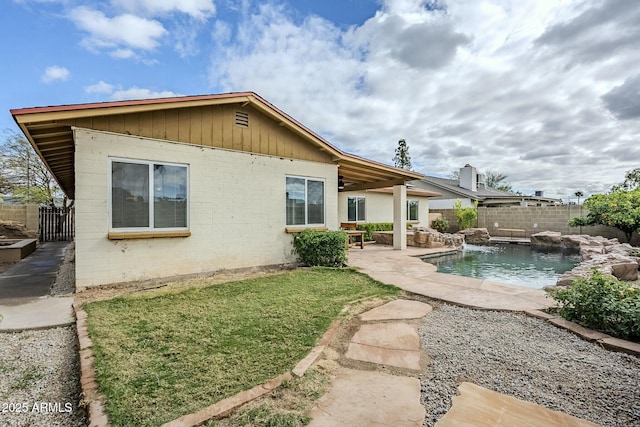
x: 467, y: 217
x: 440, y: 224
x: 370, y: 227
x: 321, y: 248
x: 601, y: 302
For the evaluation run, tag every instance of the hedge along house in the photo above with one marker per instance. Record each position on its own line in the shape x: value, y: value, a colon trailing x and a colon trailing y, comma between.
x: 196, y: 184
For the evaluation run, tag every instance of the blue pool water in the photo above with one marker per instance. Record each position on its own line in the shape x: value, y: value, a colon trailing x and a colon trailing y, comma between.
x: 507, y: 263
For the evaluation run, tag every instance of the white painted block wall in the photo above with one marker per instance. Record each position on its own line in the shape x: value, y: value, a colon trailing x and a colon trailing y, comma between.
x: 236, y: 210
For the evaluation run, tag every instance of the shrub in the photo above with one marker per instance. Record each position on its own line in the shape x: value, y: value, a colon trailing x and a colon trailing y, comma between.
x: 440, y: 224
x: 321, y: 248
x: 370, y: 227
x: 467, y: 217
x: 601, y: 302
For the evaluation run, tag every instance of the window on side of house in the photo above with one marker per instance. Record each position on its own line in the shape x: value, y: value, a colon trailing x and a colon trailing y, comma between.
x: 148, y: 196
x: 355, y: 209
x: 412, y: 210
x: 305, y: 201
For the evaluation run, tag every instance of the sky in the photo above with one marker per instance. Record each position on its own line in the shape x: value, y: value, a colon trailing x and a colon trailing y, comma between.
x: 546, y: 92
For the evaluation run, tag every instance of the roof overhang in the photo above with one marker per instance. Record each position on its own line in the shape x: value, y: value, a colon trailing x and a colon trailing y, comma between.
x: 52, y: 139
x: 415, y: 192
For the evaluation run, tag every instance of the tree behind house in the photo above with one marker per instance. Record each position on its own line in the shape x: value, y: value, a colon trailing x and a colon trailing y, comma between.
x: 22, y: 173
x: 402, y: 159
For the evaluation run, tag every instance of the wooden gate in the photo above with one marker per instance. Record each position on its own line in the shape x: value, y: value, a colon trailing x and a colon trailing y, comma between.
x: 56, y: 224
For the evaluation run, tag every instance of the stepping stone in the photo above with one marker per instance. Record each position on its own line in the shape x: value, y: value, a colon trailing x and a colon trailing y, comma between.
x: 478, y: 406
x: 393, y: 344
x: 398, y: 309
x: 365, y: 398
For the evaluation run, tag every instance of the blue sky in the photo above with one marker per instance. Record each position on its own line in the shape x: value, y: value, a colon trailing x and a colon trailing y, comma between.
x: 544, y: 91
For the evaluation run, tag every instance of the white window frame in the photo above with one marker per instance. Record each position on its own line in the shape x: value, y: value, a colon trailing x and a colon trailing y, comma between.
x: 417, y: 210
x: 364, y: 219
x: 306, y: 201
x: 150, y: 164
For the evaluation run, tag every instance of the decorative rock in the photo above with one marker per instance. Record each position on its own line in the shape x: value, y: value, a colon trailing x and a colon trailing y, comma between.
x: 605, y: 255
x: 476, y: 235
x: 423, y: 238
x: 547, y: 239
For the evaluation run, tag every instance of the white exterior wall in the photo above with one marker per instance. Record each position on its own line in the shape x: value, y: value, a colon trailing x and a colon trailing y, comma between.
x: 448, y: 203
x: 236, y: 210
x: 379, y: 206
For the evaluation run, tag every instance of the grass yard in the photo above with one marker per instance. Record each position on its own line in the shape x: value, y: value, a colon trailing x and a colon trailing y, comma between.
x: 161, y: 356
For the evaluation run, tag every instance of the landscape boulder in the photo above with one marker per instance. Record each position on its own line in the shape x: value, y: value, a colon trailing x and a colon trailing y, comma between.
x: 423, y: 237
x: 547, y: 239
x: 605, y: 255
x: 476, y: 236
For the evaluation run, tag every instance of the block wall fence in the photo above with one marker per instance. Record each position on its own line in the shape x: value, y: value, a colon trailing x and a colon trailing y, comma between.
x: 534, y: 220
x: 24, y: 214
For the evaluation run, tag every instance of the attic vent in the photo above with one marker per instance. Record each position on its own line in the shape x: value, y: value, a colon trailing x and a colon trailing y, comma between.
x: 242, y: 119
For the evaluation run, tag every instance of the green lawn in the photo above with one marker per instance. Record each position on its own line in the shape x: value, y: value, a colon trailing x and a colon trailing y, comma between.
x: 165, y: 355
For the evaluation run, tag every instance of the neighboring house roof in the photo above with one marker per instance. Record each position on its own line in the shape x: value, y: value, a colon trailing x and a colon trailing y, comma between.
x: 49, y: 130
x: 483, y: 193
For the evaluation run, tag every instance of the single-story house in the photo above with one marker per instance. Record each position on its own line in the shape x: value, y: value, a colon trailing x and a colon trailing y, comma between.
x: 376, y: 205
x: 195, y: 184
x: 470, y: 188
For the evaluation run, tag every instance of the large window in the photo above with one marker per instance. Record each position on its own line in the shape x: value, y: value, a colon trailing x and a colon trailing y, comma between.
x: 148, y: 195
x: 355, y: 209
x: 412, y: 210
x: 305, y: 201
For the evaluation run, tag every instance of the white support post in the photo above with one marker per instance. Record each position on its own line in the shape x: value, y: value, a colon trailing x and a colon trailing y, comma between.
x: 399, y: 217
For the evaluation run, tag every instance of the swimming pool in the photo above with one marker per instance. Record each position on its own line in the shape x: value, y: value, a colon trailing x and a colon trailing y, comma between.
x: 507, y: 263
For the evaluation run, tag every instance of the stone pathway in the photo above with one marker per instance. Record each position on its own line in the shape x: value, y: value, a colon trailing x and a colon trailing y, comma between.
x: 369, y: 398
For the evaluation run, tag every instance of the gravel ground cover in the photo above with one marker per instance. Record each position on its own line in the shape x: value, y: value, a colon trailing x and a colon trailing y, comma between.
x: 39, y: 380
x: 529, y: 359
x: 39, y: 370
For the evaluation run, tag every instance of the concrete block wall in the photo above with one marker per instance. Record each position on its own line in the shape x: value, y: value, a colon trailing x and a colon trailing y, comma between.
x: 535, y: 219
x: 24, y: 214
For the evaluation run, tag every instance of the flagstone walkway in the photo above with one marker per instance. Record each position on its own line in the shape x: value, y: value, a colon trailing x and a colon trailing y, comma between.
x: 388, y: 337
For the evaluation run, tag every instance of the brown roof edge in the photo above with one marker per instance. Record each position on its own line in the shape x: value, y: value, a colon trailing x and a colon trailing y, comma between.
x: 412, y: 174
x: 126, y: 103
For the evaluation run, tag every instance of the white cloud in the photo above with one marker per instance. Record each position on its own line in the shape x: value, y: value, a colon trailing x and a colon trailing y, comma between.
x: 198, y: 9
x: 117, y: 93
x: 54, y: 73
x: 140, y: 93
x: 122, y: 53
x: 125, y: 31
x: 100, y: 87
x: 502, y: 80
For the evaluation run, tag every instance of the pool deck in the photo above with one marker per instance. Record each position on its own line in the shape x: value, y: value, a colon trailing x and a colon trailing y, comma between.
x: 405, y: 270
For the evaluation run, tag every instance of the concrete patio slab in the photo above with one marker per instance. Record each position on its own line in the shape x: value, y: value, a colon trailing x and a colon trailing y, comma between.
x: 398, y: 309
x: 477, y: 406
x: 374, y: 399
x: 41, y: 313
